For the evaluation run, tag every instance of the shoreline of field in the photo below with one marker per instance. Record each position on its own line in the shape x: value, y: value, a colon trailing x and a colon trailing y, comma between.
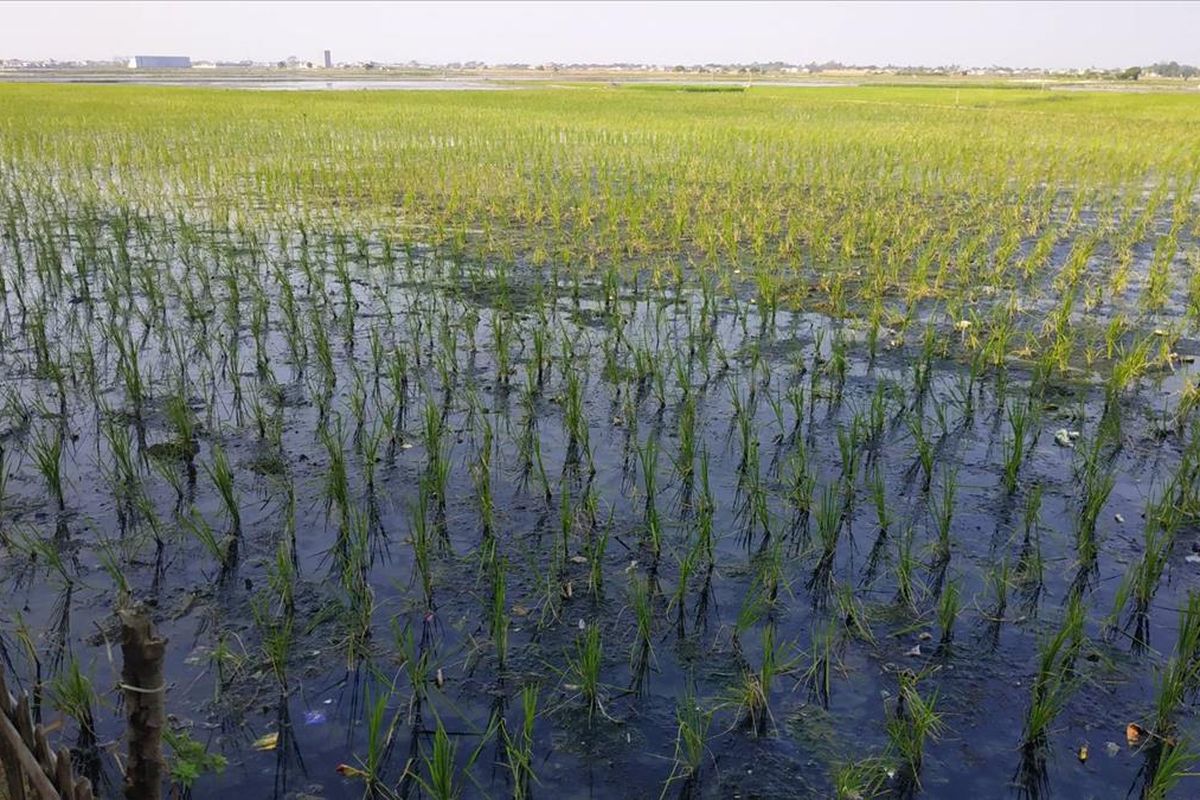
x: 496, y: 79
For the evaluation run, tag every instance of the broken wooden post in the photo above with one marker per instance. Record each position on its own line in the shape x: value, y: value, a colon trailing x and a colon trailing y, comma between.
x: 145, y: 703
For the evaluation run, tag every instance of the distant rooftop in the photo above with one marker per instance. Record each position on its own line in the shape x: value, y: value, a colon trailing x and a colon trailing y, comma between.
x: 160, y: 62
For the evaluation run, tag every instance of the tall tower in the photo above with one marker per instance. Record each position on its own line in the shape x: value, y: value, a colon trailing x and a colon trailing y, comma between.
x: 328, y: 59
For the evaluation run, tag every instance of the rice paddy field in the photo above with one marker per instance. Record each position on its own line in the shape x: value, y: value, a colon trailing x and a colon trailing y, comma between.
x: 594, y: 441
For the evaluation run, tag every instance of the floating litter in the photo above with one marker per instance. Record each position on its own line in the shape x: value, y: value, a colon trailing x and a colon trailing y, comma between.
x: 268, y: 742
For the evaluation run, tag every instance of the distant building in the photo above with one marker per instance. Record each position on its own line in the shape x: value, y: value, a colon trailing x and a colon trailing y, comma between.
x: 160, y: 62
x: 328, y: 59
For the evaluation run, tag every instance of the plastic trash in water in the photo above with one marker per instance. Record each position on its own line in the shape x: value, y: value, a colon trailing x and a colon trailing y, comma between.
x: 268, y: 742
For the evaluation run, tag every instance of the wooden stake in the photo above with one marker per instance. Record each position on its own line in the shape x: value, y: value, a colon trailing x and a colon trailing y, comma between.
x: 145, y: 703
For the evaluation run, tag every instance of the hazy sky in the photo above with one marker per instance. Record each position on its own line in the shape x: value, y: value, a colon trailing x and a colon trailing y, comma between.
x: 1078, y: 34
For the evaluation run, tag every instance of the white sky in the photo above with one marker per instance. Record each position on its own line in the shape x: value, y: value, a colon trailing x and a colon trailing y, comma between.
x: 1055, y: 35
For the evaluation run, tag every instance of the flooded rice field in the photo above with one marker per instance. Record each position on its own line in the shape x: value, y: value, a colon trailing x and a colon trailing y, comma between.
x: 428, y: 509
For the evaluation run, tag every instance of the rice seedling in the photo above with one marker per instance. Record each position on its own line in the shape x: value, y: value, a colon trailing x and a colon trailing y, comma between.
x: 1098, y: 484
x: 421, y: 538
x: 942, y: 508
x: 829, y: 516
x: 585, y: 669
x: 499, y: 613
x: 924, y: 448
x: 1053, y: 684
x: 911, y: 725
x: 908, y: 590
x: 278, y: 635
x: 822, y: 662
x: 439, y: 765
x: 380, y: 735
x: 47, y: 453
x: 518, y: 747
x: 190, y: 759
x: 1175, y: 762
x: 648, y: 456
x: 688, y: 563
x: 72, y: 693
x: 4, y: 476
x: 1168, y: 758
x: 802, y: 484
x: 879, y: 499
x: 751, y: 695
x: 222, y: 550
x: 862, y: 778
x: 949, y: 604
x: 692, y: 722
x: 221, y: 474
x: 1019, y: 421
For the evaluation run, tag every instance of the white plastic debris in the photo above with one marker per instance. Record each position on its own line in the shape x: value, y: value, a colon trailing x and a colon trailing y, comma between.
x: 1065, y: 438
